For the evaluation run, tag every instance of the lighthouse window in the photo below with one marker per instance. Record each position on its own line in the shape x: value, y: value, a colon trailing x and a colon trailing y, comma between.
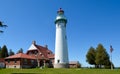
x: 58, y: 25
x: 58, y: 61
x: 65, y: 37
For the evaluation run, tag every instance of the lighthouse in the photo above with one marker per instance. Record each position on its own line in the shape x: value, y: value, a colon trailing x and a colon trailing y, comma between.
x: 61, y: 49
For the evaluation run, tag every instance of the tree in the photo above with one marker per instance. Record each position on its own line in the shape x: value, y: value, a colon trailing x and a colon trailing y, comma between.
x: 4, y: 52
x: 102, y: 57
x: 20, y: 51
x: 98, y: 57
x: 91, y: 56
x: 11, y: 52
x: 0, y: 52
x: 2, y: 25
x: 108, y: 65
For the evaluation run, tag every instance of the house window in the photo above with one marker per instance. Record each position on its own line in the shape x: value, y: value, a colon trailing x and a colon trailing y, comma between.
x: 32, y: 61
x: 35, y: 52
x: 15, y: 61
x: 48, y: 52
x: 30, y: 53
x: 25, y: 61
x: 8, y: 61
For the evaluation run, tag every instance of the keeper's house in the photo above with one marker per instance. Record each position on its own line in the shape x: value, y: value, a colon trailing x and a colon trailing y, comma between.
x: 36, y: 56
x: 20, y: 60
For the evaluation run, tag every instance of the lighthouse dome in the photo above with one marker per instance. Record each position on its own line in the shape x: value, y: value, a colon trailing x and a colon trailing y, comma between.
x: 60, y: 16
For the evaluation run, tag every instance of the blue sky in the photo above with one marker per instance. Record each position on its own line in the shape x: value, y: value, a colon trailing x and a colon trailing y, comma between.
x: 90, y: 22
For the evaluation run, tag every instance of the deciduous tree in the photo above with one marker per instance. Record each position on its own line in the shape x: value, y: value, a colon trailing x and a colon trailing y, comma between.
x: 91, y: 56
x: 98, y: 57
x: 102, y: 57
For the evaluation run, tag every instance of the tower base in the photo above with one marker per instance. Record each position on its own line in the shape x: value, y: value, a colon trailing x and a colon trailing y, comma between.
x: 61, y: 65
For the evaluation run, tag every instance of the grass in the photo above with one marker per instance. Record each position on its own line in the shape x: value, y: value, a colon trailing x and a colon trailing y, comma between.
x: 59, y: 71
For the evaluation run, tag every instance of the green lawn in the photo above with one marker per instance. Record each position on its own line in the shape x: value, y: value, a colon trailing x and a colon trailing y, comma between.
x: 59, y: 71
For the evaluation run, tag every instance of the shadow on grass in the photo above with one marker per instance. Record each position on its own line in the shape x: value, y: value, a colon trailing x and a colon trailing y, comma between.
x: 25, y: 73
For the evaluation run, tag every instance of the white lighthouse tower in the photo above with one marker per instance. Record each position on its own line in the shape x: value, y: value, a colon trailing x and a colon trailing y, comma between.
x: 61, y: 49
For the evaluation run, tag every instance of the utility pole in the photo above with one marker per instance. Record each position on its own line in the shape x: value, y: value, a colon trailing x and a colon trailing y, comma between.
x: 111, y: 50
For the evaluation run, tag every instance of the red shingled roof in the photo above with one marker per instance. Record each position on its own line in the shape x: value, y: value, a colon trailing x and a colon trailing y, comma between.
x: 20, y: 55
x: 40, y: 52
x: 45, y: 51
x: 51, y: 56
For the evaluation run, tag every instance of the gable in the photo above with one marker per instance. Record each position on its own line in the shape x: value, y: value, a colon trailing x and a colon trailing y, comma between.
x: 32, y: 47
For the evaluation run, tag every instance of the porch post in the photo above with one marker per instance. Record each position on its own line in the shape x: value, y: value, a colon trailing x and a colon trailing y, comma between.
x: 44, y: 63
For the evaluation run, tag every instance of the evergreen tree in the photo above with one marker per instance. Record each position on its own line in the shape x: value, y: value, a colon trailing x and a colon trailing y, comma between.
x: 11, y: 52
x: 91, y: 56
x: 20, y: 51
x: 4, y: 52
x: 102, y: 57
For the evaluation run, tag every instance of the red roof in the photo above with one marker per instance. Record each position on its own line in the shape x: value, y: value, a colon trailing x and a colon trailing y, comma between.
x: 51, y: 56
x: 45, y: 51
x: 20, y: 55
x: 73, y: 62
